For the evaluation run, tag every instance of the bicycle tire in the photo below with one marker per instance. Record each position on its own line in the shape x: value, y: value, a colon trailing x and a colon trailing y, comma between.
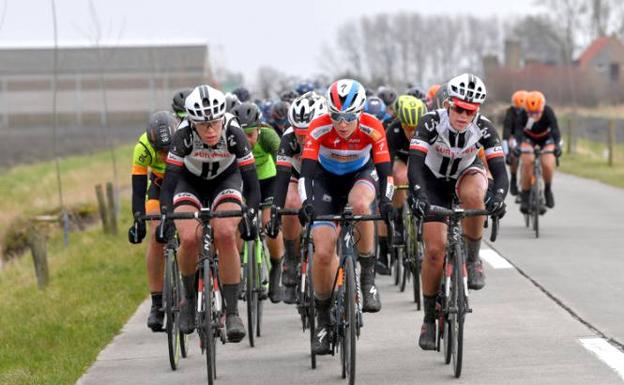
x: 172, y: 325
x: 396, y: 266
x: 262, y: 273
x: 350, y: 330
x: 535, y: 203
x: 208, y: 323
x: 311, y: 310
x: 448, y: 324
x: 250, y: 290
x: 458, y: 320
x: 406, y: 270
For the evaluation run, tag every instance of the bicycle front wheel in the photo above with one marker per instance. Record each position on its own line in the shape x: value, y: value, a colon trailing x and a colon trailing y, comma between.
x: 458, y: 319
x: 349, y: 322
x: 209, y: 323
x: 251, y: 293
x: 170, y: 297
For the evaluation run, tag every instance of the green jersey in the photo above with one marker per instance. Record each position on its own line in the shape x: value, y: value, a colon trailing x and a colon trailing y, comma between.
x: 145, y: 157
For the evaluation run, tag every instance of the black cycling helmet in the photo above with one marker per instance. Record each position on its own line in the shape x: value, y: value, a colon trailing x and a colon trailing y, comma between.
x: 417, y: 92
x: 160, y: 129
x: 289, y: 96
x: 387, y: 94
x: 178, y: 101
x: 440, y: 96
x: 279, y: 112
x: 242, y: 93
x: 248, y: 114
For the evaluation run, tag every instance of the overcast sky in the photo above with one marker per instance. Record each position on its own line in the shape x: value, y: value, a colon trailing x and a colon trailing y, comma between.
x: 242, y: 35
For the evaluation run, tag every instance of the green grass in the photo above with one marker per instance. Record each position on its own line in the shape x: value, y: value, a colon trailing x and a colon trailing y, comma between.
x: 589, y: 162
x: 53, y: 336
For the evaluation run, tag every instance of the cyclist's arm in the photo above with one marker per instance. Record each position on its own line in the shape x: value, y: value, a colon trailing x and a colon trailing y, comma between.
x: 284, y: 167
x: 509, y: 123
x: 175, y: 166
x: 495, y: 156
x: 392, y: 147
x: 554, y: 124
x: 270, y: 142
x: 381, y: 157
x: 521, y: 122
x: 309, y: 163
x: 139, y: 178
x: 239, y: 146
x: 420, y: 145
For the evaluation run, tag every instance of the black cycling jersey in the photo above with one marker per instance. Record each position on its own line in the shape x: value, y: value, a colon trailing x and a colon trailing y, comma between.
x: 510, y: 121
x: 447, y: 152
x: 232, y: 154
x: 398, y: 143
x: 540, y: 130
x: 288, y: 164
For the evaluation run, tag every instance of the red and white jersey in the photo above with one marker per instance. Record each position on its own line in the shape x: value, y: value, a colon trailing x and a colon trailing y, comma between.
x: 341, y: 156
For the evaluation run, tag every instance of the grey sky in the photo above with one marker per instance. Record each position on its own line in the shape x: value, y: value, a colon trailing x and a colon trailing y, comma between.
x: 243, y: 35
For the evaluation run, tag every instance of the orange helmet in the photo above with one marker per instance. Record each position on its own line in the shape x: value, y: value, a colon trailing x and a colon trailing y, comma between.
x: 432, y: 91
x: 518, y: 99
x: 535, y: 101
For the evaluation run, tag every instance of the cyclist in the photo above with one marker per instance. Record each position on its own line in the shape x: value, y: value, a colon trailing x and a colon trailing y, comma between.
x: 518, y: 100
x: 388, y: 95
x: 209, y: 159
x: 279, y: 117
x: 443, y: 165
x: 177, y: 105
x: 231, y: 101
x: 265, y: 143
x: 431, y: 93
x: 408, y: 110
x: 302, y: 111
x: 537, y: 126
x: 148, y: 171
x: 288, y: 96
x: 337, y: 168
x: 439, y: 97
x: 304, y: 87
x: 376, y: 107
x: 417, y: 92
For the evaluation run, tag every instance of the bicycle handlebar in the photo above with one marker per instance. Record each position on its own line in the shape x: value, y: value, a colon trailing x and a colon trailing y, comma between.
x: 202, y: 215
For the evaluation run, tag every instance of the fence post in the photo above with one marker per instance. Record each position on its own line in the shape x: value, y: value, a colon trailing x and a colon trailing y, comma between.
x: 112, y: 208
x: 102, y: 207
x: 37, y: 245
x: 569, y: 146
x: 611, y: 142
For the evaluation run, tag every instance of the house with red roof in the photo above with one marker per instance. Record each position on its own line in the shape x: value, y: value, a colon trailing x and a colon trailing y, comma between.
x: 605, y: 56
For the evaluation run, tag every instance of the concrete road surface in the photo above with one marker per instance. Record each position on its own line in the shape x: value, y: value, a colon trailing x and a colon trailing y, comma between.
x: 517, y: 333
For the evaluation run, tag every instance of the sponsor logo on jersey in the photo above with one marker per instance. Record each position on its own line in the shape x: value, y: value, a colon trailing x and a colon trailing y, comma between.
x: 206, y: 154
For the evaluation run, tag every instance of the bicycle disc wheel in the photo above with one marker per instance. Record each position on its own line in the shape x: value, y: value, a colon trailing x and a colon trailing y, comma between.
x: 251, y: 293
x: 208, y: 323
x: 172, y: 325
x: 458, y: 323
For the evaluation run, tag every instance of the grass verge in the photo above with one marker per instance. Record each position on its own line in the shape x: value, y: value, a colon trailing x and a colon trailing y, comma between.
x: 53, y: 336
x: 589, y: 161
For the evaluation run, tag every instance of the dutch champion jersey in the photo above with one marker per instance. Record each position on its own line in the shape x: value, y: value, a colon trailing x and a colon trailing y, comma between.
x: 343, y: 156
x: 208, y: 162
x: 449, y: 152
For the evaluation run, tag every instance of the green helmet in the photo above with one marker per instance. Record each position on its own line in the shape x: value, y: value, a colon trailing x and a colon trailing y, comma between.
x: 409, y: 109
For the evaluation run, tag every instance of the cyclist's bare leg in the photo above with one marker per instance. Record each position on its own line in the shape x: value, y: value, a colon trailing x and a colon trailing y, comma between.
x: 292, y: 228
x: 399, y: 173
x: 360, y: 199
x: 225, y: 239
x: 471, y: 191
x: 434, y: 237
x: 325, y: 261
x: 276, y: 246
x: 548, y: 164
x: 527, y: 158
x: 189, y: 234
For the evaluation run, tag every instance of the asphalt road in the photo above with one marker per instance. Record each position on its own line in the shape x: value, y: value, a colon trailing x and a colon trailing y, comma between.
x: 517, y: 334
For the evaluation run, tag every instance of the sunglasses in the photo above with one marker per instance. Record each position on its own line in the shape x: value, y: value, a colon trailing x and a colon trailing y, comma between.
x: 346, y: 116
x: 461, y: 110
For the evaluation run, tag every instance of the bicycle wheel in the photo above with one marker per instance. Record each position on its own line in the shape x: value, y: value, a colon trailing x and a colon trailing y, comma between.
x: 311, y: 311
x: 262, y: 274
x: 449, y: 330
x: 396, y: 265
x: 208, y: 323
x: 348, y: 345
x: 172, y: 325
x: 458, y: 318
x: 416, y: 274
x: 250, y: 290
x: 535, y: 208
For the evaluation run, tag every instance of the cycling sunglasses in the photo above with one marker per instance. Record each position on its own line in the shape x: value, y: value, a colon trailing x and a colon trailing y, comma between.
x: 461, y: 110
x: 346, y: 116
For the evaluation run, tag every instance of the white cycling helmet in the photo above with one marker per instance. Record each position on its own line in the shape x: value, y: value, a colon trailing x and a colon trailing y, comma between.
x: 304, y: 109
x: 205, y: 104
x: 346, y: 96
x: 231, y: 101
x: 466, y: 91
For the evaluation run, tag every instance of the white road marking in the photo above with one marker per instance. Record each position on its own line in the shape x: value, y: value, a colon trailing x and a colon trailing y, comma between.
x: 494, y: 259
x: 607, y: 353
